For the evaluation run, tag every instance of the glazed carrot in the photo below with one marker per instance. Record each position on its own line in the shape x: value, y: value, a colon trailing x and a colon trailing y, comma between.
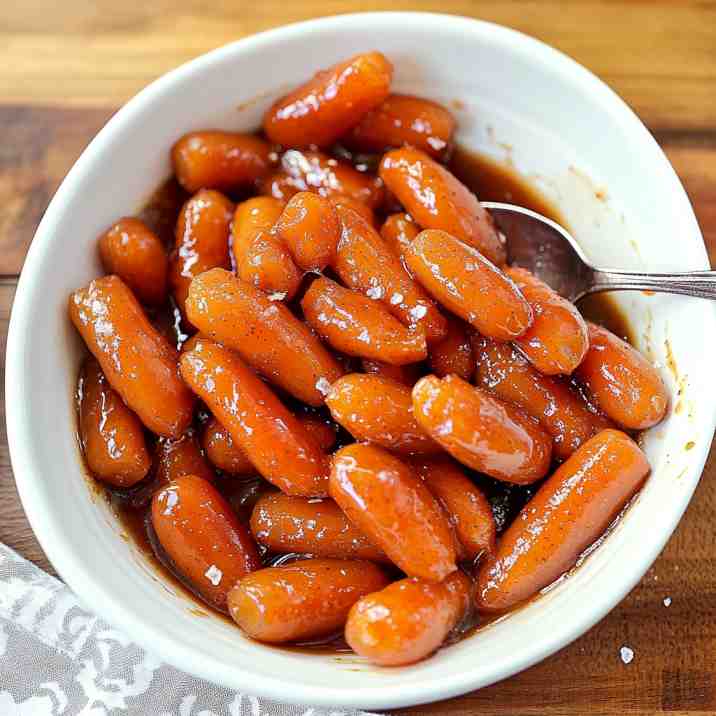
x: 398, y: 231
x: 331, y: 103
x: 181, y: 456
x: 201, y: 240
x: 408, y: 620
x: 466, y: 283
x: 481, y: 431
x: 557, y: 340
x: 264, y: 333
x: 111, y: 434
x: 324, y: 431
x: 285, y: 523
x: 378, y: 410
x: 275, y: 442
x: 467, y: 508
x: 621, y: 381
x: 132, y: 251
x: 219, y: 160
x: 388, y: 502
x: 310, y: 228
x: 404, y: 120
x: 358, y: 326
x: 568, y: 513
x: 204, y: 539
x: 405, y: 374
x: 222, y: 452
x: 349, y: 202
x: 436, y: 199
x: 137, y: 360
x: 365, y: 263
x: 302, y: 600
x: 317, y: 172
x: 453, y: 354
x: 561, y: 411
x: 262, y: 258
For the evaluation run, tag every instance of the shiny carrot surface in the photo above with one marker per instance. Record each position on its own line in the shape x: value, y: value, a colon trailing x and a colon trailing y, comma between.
x: 317, y: 172
x: 568, y: 513
x: 453, y: 354
x: 365, y: 263
x: 387, y: 501
x: 260, y: 254
x: 112, y: 435
x: 286, y: 523
x: 132, y: 251
x: 359, y: 326
x: 137, y: 360
x: 561, y: 411
x: 223, y: 452
x: 467, y: 507
x: 274, y: 441
x: 176, y: 457
x: 201, y: 240
x: 310, y: 228
x: 466, y: 283
x: 436, y: 199
x: 322, y: 429
x: 332, y: 102
x: 557, y: 340
x: 481, y: 431
x: 380, y: 411
x: 621, y: 381
x: 404, y: 120
x: 219, y: 160
x: 302, y: 600
x: 349, y: 202
x: 204, y: 539
x: 408, y: 620
x: 264, y: 333
x: 398, y: 231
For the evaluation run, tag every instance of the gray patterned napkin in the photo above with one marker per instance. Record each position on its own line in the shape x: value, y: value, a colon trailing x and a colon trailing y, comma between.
x: 58, y: 659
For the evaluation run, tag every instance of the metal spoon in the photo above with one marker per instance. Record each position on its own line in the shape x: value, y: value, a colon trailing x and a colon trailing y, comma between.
x: 552, y: 254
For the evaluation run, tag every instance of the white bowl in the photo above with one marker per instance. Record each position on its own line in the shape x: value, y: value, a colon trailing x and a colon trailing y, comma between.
x: 515, y: 99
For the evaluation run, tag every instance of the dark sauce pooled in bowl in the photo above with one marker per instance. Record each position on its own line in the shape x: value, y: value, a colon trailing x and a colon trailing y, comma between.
x: 489, y: 180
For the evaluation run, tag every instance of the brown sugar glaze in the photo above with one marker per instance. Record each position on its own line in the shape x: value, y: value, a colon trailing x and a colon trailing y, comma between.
x: 490, y: 181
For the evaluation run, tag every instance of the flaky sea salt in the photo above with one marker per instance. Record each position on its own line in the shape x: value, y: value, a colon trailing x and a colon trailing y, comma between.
x: 214, y: 575
x: 626, y: 654
x: 667, y: 601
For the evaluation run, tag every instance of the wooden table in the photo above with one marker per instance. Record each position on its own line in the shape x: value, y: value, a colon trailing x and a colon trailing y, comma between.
x: 68, y: 66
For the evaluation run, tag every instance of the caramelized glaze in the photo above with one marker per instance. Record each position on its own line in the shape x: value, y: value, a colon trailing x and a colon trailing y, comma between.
x: 490, y: 181
x: 385, y: 499
x: 481, y: 431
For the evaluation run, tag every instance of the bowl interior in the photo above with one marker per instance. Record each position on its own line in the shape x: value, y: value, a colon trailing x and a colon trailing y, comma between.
x: 516, y: 100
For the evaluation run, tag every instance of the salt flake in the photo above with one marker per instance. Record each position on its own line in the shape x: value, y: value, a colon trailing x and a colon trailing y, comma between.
x: 214, y: 575
x: 323, y: 386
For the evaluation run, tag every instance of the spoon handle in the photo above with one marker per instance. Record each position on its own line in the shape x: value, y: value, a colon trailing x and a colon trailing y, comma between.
x: 701, y: 284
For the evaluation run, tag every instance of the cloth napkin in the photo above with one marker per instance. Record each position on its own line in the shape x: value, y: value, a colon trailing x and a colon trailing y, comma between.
x: 58, y: 659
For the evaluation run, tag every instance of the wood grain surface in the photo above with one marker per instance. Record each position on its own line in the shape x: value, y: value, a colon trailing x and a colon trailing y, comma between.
x: 68, y: 66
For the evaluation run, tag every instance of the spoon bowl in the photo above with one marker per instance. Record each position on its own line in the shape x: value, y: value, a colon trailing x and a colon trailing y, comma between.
x: 551, y: 253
